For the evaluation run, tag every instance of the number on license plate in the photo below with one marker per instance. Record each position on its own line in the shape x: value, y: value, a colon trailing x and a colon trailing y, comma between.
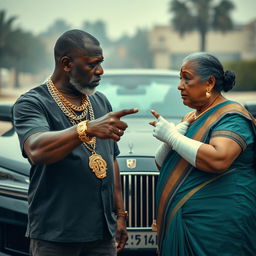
x: 141, y: 240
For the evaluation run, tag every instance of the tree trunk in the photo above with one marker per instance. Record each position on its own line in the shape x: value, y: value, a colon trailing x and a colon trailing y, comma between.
x: 202, y: 41
x: 16, y: 78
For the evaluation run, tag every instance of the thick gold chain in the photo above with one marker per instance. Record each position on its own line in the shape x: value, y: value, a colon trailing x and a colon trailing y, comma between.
x: 72, y: 116
x: 65, y: 109
x: 67, y: 102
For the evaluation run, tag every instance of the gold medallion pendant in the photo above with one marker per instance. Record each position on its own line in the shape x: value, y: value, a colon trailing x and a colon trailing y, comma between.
x: 96, y: 162
x: 98, y: 165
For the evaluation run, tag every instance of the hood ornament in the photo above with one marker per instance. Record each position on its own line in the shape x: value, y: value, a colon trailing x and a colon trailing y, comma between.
x: 131, y: 163
x: 130, y: 145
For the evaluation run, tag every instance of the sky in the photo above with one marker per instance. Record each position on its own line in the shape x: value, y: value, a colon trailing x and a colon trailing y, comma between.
x: 121, y: 16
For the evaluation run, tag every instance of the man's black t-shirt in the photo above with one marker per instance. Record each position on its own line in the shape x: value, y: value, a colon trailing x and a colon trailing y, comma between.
x: 67, y: 202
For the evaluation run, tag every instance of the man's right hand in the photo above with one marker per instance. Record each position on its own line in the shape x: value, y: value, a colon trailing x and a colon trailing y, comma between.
x: 109, y: 126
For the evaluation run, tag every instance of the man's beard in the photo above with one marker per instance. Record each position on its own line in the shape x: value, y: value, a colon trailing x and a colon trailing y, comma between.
x: 86, y: 90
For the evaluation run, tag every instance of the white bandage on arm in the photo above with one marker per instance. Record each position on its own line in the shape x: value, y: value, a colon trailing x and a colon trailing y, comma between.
x: 182, y: 127
x: 163, y: 150
x: 161, y: 153
x: 184, y: 146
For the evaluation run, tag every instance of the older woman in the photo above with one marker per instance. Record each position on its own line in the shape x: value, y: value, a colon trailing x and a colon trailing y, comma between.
x: 206, y: 193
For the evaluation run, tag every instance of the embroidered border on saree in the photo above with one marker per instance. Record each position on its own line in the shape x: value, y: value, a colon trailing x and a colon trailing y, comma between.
x: 182, y: 168
x: 231, y: 135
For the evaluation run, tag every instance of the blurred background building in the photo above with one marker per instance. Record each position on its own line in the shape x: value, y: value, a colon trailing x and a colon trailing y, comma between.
x: 169, y: 47
x: 26, y: 57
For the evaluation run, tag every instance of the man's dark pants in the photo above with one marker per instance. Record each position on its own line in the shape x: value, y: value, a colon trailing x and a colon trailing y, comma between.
x: 96, y: 248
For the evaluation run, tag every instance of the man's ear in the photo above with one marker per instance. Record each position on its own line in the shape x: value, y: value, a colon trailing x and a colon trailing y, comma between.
x: 66, y: 63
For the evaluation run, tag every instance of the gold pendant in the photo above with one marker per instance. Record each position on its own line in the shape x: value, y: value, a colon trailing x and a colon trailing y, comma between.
x: 98, y: 165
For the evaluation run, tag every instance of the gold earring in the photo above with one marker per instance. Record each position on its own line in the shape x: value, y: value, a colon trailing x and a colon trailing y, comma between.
x: 208, y: 94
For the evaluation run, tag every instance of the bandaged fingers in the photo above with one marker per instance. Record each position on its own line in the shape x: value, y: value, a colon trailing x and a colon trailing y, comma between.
x: 163, y: 129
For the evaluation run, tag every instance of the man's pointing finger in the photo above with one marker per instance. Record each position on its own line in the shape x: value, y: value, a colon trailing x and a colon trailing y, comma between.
x: 125, y: 112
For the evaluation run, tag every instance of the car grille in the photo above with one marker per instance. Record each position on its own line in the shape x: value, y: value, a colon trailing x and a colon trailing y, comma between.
x: 139, y: 197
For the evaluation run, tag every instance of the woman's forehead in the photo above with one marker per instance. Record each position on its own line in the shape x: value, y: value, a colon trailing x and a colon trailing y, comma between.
x: 188, y: 66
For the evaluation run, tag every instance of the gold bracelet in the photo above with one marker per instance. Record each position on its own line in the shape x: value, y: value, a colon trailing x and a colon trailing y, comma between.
x: 82, y: 130
x: 122, y: 214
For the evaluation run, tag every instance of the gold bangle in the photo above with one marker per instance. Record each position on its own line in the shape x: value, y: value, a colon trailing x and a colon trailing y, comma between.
x: 82, y: 130
x: 122, y: 214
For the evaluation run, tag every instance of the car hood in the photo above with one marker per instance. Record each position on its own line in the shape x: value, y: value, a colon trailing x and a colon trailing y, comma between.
x: 138, y: 139
x: 10, y: 155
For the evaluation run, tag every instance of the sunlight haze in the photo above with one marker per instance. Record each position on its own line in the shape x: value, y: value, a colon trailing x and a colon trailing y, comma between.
x: 121, y: 16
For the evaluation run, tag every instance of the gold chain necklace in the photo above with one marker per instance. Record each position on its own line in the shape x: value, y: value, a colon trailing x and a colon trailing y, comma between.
x: 96, y: 162
x: 67, y: 111
x: 67, y: 102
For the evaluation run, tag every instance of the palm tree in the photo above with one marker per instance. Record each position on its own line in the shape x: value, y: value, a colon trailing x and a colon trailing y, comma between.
x: 26, y: 53
x: 201, y: 15
x: 5, y: 30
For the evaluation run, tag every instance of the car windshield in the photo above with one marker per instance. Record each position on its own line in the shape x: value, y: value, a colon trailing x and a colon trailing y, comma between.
x: 145, y: 92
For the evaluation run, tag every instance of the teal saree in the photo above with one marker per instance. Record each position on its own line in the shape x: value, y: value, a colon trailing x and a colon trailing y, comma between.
x: 207, y: 214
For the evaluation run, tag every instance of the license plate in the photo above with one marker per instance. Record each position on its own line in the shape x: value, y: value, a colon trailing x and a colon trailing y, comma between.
x: 140, y: 239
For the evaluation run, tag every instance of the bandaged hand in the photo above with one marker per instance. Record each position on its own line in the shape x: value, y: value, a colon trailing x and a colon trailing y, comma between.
x: 169, y: 134
x: 182, y: 127
x: 164, y: 148
x: 165, y: 131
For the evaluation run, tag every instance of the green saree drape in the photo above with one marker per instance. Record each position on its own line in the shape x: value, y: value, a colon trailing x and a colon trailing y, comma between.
x: 204, y: 214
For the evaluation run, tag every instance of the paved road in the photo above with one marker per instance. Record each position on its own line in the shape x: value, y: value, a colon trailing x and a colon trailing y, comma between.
x: 134, y: 253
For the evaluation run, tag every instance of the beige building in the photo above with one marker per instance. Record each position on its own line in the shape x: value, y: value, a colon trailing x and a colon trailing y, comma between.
x: 169, y: 48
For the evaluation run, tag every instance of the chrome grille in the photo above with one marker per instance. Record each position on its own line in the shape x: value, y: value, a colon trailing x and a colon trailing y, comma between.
x: 139, y: 197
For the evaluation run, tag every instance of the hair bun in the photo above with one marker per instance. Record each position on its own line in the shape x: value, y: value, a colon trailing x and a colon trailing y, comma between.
x: 229, y: 80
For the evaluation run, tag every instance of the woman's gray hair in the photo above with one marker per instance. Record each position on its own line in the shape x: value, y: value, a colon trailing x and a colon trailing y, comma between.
x: 207, y: 65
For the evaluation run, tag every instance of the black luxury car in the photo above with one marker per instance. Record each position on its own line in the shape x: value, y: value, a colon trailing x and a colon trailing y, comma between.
x: 144, y: 89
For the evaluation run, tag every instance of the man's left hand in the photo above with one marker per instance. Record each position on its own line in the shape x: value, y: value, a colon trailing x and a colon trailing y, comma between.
x: 121, y: 233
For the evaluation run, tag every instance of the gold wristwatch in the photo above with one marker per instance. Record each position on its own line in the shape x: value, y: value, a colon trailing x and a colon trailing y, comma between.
x: 82, y: 132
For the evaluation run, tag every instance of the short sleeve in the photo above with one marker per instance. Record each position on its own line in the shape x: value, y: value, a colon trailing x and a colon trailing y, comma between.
x: 28, y: 118
x: 235, y: 127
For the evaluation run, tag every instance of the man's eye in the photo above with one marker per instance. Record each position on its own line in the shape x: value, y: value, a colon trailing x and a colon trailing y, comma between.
x: 93, y: 65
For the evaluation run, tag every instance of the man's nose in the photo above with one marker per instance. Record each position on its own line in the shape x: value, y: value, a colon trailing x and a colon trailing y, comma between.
x: 99, y: 70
